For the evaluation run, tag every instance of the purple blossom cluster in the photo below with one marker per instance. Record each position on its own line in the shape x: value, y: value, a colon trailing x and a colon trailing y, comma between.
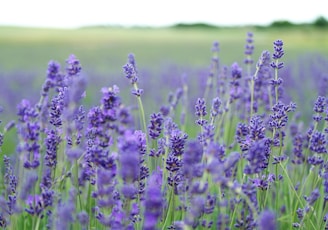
x: 238, y: 159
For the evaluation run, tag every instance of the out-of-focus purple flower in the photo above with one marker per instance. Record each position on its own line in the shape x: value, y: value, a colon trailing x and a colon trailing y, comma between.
x: 110, y: 97
x: 257, y: 157
x: 315, y: 160
x: 129, y: 191
x: 54, y: 78
x: 156, y: 125
x: 236, y: 71
x: 25, y: 111
x: 256, y: 128
x: 74, y: 153
x: 319, y: 105
x: 35, y: 205
x: 192, y: 157
x: 215, y: 109
x: 215, y: 46
x: 65, y: 214
x: 153, y: 201
x: 83, y: 218
x: 130, y: 69
x: 52, y: 142
x: 131, y: 151
x: 10, y: 181
x: 200, y: 107
x: 207, y: 135
x: 315, y: 194
x: 264, y: 61
x: 298, y: 144
x: 73, y: 66
x: 318, y: 142
x: 249, y: 190
x: 267, y: 220
x: 200, y: 111
x: 249, y: 49
x: 106, y: 182
x: 195, y: 212
x: 56, y: 108
x: 319, y: 108
x: 279, y: 118
x: 278, y: 159
x: 29, y: 130
x: 53, y: 70
x: 130, y: 73
x: 165, y: 110
x: 235, y: 88
x: 177, y: 142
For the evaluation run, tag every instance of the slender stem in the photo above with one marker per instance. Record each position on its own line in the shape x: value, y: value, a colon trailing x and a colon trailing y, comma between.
x: 276, y: 79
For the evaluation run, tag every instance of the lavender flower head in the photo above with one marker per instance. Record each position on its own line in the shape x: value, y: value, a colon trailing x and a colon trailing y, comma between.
x: 153, y: 201
x: 263, y: 63
x: 318, y: 142
x: 267, y: 221
x: 156, y: 125
x: 235, y: 89
x: 249, y: 49
x: 278, y: 53
x: 200, y: 108
x: 215, y: 109
x: 53, y: 70
x: 130, y: 69
x: 73, y: 67
x: 319, y: 108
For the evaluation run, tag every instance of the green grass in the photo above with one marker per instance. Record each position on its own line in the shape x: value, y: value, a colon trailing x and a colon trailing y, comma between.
x: 105, y: 49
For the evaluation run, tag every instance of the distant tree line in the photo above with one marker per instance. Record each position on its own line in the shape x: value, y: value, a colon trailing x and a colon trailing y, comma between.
x: 320, y: 22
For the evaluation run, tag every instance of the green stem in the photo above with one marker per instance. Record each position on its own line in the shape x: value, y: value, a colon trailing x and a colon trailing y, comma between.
x: 276, y: 79
x: 77, y: 184
x: 170, y: 209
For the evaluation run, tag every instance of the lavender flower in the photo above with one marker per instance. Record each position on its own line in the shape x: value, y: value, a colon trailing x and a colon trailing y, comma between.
x: 52, y: 144
x: 318, y: 142
x: 249, y: 49
x: 153, y: 201
x: 267, y: 221
x: 278, y: 53
x: 319, y: 108
x: 235, y: 88
x: 66, y: 213
x: 156, y: 125
x: 10, y: 180
x: 177, y: 142
x: 215, y: 109
x: 73, y: 67
x: 130, y: 69
x: 257, y: 157
x: 200, y: 111
x: 279, y: 117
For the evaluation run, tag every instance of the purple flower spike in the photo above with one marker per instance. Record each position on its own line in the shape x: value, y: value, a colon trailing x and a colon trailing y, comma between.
x: 153, y: 201
x: 249, y: 48
x: 156, y: 125
x: 130, y: 69
x: 73, y: 67
x: 267, y: 221
x: 318, y: 142
x: 278, y: 50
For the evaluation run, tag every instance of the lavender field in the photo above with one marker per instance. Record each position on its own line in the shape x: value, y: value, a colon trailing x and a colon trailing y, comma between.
x: 213, y: 137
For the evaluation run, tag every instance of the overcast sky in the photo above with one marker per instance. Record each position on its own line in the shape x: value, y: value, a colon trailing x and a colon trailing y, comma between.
x: 76, y: 13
